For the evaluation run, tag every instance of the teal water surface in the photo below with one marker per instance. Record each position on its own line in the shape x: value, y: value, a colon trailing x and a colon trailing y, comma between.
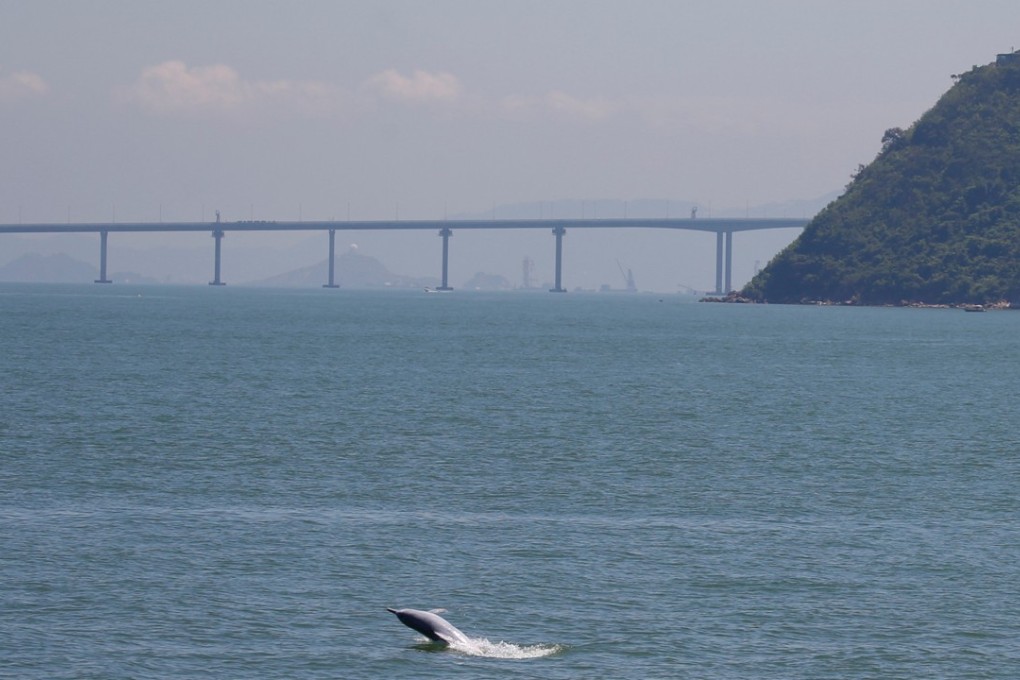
x: 234, y: 483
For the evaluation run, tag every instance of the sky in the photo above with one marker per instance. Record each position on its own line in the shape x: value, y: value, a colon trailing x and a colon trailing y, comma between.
x: 143, y: 110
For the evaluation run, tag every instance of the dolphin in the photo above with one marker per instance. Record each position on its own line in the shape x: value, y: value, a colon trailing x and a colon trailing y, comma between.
x: 431, y: 625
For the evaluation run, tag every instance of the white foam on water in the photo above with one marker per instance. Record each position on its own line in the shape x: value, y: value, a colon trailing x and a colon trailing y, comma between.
x: 504, y: 650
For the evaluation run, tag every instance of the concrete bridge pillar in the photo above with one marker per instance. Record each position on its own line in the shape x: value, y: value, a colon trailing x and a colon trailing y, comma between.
x: 729, y: 262
x: 102, y: 258
x: 723, y: 262
x: 218, y: 235
x: 718, y: 263
x: 446, y: 233
x: 558, y: 232
x: 332, y: 244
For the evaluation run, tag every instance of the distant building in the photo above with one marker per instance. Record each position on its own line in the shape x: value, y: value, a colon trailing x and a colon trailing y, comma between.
x: 1010, y: 59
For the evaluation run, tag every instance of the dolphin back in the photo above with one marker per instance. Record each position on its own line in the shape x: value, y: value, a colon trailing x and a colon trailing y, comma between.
x: 431, y: 625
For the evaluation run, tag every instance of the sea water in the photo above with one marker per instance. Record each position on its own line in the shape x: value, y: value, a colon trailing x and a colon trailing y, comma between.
x: 235, y: 483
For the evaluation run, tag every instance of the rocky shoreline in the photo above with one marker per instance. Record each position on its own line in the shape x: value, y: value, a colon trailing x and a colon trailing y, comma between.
x: 734, y: 297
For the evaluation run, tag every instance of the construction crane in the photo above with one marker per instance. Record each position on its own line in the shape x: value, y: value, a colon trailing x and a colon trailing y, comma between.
x: 628, y: 276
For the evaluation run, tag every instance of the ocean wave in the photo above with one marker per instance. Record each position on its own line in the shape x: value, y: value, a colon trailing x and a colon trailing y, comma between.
x: 505, y: 650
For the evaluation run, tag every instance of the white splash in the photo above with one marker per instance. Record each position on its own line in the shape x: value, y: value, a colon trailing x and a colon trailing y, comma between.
x: 504, y: 650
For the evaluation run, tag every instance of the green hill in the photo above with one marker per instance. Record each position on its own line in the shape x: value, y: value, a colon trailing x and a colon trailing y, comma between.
x: 935, y: 218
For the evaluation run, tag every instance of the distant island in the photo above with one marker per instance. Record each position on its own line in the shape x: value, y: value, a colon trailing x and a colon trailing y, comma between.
x: 59, y: 268
x: 933, y: 219
x: 353, y: 270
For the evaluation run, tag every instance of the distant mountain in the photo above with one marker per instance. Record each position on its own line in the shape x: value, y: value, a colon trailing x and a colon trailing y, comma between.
x: 351, y: 270
x: 578, y: 209
x: 641, y: 208
x: 934, y: 218
x: 60, y: 268
x: 56, y: 268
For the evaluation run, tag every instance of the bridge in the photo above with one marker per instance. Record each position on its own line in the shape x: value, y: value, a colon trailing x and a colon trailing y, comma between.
x: 722, y: 227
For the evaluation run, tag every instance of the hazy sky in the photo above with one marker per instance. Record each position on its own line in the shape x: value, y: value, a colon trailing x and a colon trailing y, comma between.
x: 276, y: 110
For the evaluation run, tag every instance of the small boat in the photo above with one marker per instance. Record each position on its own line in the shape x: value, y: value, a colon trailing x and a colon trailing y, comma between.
x: 973, y: 308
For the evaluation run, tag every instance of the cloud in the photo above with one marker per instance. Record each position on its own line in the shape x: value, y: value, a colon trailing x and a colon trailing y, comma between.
x: 598, y: 108
x: 560, y: 105
x: 21, y: 85
x: 421, y: 86
x: 174, y: 88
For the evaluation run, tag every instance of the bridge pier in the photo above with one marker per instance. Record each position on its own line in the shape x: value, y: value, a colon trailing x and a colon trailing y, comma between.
x: 718, y: 262
x: 332, y: 244
x: 446, y: 233
x: 218, y: 235
x: 723, y: 262
x: 729, y: 262
x: 102, y: 258
x: 558, y: 232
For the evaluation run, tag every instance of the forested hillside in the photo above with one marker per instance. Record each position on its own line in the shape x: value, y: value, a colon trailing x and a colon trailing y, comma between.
x: 935, y: 218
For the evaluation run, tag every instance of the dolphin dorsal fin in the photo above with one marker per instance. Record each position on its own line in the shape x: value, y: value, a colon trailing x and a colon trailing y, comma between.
x: 437, y: 611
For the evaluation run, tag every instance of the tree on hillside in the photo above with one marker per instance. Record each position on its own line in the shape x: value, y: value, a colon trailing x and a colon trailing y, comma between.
x: 934, y: 218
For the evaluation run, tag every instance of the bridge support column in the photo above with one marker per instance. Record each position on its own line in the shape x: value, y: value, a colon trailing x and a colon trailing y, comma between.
x: 332, y: 250
x: 718, y: 263
x: 558, y: 232
x: 218, y: 235
x: 446, y: 233
x: 102, y: 258
x: 729, y: 262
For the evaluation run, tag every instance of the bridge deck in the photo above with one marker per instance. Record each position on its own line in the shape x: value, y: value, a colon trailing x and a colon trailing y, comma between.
x: 716, y: 225
x: 722, y: 227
